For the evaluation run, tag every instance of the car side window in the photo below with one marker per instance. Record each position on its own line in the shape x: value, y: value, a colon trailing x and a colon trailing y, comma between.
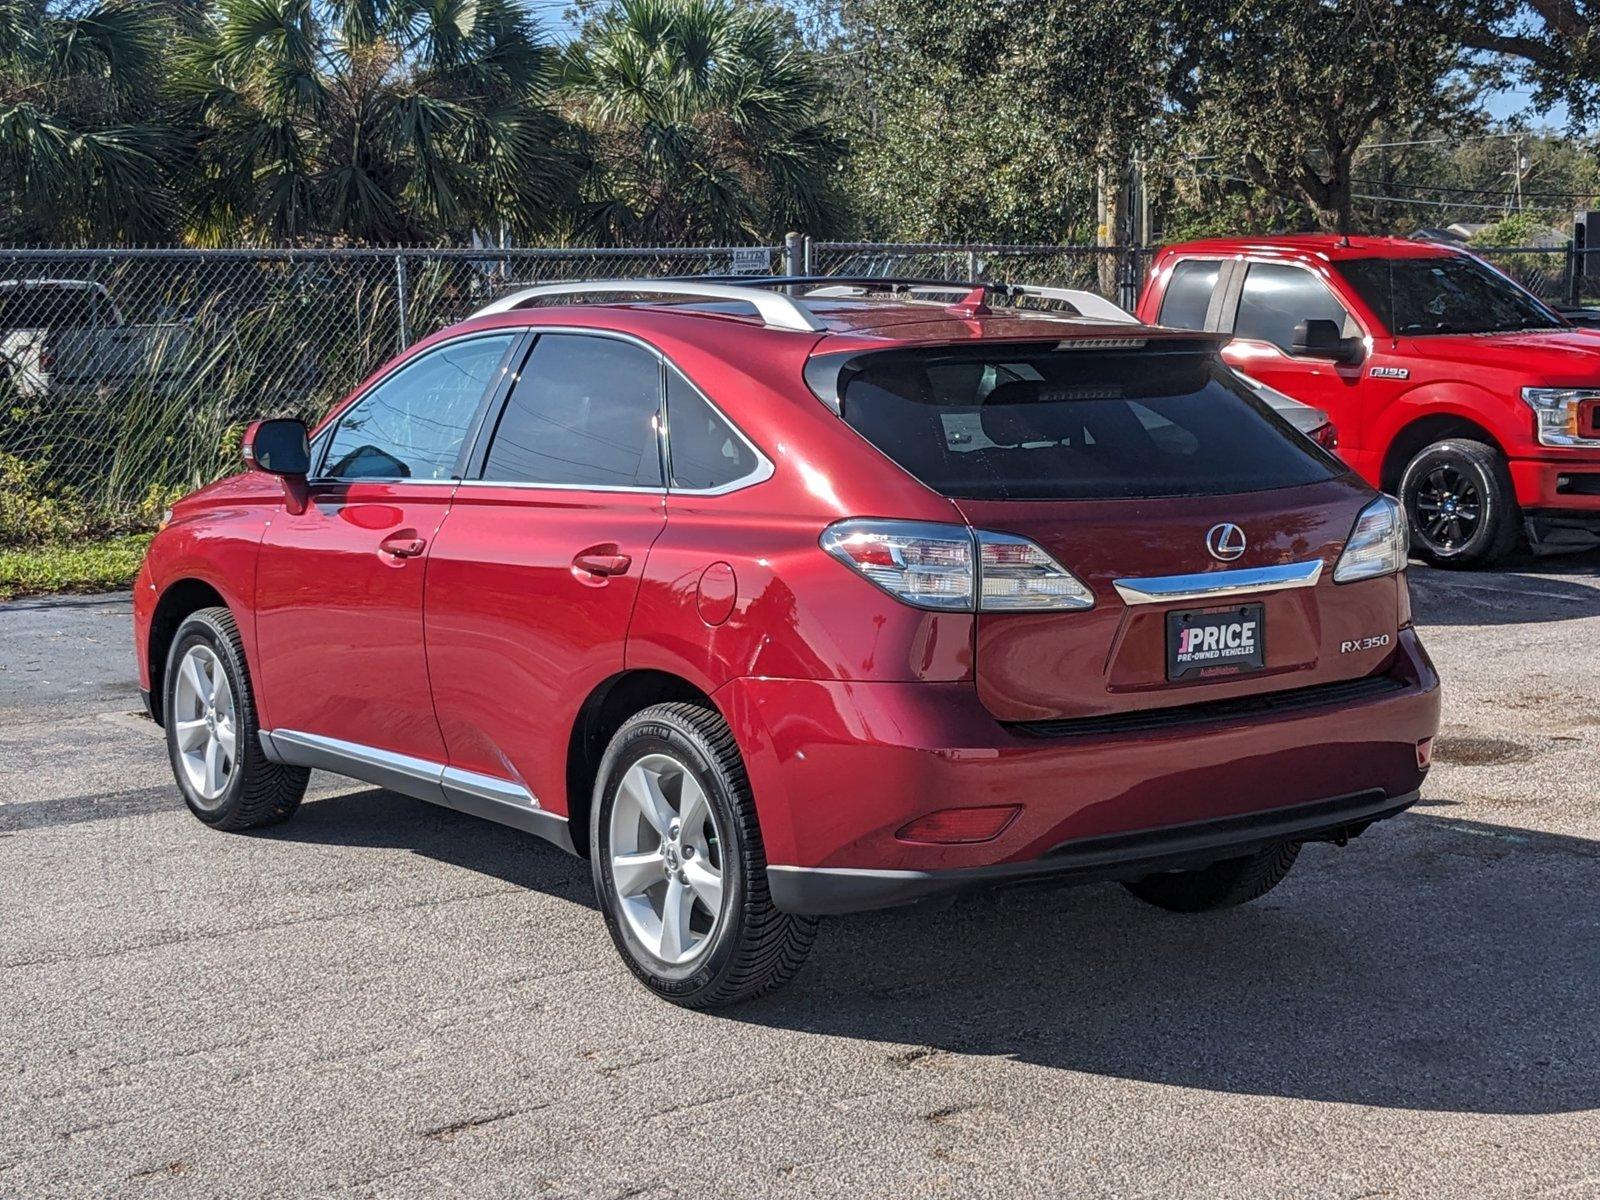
x: 1188, y: 293
x: 412, y: 424
x: 1277, y: 297
x: 585, y: 412
x: 706, y: 452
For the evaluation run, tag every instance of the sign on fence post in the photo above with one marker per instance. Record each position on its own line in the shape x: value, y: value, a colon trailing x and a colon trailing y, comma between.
x: 750, y: 260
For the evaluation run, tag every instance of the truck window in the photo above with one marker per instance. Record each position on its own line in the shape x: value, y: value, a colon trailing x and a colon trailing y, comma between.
x: 1453, y: 294
x: 1188, y: 294
x: 1276, y: 298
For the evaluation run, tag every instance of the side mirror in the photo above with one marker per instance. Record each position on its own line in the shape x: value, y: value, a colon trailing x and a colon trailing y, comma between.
x: 278, y: 447
x: 282, y: 447
x: 1320, y: 338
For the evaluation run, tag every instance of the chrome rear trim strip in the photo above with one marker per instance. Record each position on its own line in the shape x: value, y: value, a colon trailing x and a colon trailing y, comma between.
x: 1214, y: 585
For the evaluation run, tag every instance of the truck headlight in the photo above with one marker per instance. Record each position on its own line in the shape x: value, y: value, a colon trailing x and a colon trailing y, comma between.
x: 1564, y: 416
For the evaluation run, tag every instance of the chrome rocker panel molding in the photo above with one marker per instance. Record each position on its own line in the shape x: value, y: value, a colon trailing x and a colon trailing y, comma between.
x: 1212, y: 585
x: 822, y: 891
x: 450, y: 787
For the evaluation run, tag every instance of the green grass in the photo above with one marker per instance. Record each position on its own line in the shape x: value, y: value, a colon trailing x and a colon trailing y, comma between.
x: 88, y: 566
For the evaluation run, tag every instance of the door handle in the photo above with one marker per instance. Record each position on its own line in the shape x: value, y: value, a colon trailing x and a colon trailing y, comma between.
x: 403, y: 545
x: 602, y: 564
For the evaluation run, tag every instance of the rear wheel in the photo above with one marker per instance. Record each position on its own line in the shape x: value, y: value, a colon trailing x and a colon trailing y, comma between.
x: 1462, y: 508
x: 213, y: 738
x: 679, y: 868
x: 1221, y: 885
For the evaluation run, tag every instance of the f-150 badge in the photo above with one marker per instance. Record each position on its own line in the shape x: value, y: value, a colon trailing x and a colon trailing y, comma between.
x: 1388, y: 373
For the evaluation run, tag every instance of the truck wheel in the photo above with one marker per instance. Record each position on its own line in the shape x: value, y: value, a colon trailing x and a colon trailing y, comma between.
x: 213, y: 738
x: 1458, y: 497
x: 1221, y: 885
x: 679, y: 868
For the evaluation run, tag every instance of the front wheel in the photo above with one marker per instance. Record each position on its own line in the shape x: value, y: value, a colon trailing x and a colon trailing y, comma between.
x: 679, y: 867
x: 1462, y: 508
x: 213, y: 736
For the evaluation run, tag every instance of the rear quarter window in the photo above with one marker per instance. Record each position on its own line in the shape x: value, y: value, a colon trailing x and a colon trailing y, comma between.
x: 1025, y: 423
x: 1188, y: 295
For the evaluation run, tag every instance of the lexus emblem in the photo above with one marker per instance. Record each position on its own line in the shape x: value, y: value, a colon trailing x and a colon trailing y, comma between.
x: 1225, y: 541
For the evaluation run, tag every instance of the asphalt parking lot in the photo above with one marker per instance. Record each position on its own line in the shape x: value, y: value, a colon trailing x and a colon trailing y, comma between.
x: 385, y: 998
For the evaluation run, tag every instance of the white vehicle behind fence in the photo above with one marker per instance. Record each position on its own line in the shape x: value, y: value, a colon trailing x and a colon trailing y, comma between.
x: 68, y: 334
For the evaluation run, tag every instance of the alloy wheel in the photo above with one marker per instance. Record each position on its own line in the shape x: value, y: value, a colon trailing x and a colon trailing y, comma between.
x: 1449, y: 507
x: 666, y: 859
x: 205, y: 724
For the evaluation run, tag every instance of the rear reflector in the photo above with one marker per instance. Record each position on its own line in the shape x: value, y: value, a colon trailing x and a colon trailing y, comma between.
x: 954, y: 825
x: 1425, y: 754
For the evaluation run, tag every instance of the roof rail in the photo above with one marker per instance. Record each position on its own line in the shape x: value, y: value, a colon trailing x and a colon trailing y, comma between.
x: 779, y: 310
x: 776, y: 310
x: 1085, y: 303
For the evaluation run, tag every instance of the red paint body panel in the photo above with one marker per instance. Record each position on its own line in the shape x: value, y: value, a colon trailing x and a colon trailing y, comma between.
x: 837, y: 767
x: 517, y: 635
x: 855, y: 713
x: 339, y: 620
x: 1112, y: 658
x: 1476, y: 378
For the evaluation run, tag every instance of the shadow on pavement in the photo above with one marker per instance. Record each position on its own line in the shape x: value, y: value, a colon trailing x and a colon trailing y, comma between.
x: 1434, y: 964
x: 390, y: 821
x: 1526, y: 592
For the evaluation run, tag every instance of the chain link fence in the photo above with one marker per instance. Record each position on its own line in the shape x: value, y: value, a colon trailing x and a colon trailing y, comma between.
x: 127, y: 376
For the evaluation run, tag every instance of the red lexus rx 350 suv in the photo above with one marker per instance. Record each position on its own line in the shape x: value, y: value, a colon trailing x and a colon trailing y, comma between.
x: 799, y: 598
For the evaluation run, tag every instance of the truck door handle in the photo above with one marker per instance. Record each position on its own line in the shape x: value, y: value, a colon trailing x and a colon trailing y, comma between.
x: 405, y: 544
x: 597, y: 563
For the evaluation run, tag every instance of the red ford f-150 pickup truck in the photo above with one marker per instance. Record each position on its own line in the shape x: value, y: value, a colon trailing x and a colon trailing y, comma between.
x: 1451, y: 386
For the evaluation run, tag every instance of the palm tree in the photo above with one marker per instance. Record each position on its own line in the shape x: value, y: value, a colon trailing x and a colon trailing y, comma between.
x: 83, y: 145
x: 706, y: 121
x: 373, y: 120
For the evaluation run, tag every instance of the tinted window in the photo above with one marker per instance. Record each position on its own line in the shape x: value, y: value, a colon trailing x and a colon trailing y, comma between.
x: 1026, y: 423
x: 705, y: 450
x: 411, y: 425
x: 1189, y: 294
x: 584, y: 413
x: 1444, y: 295
x: 1276, y: 298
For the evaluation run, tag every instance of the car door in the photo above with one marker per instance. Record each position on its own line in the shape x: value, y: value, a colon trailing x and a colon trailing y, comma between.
x: 1271, y: 299
x: 339, y: 587
x: 532, y: 581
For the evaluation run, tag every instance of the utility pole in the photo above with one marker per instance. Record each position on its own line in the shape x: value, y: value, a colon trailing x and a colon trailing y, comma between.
x: 1111, y: 222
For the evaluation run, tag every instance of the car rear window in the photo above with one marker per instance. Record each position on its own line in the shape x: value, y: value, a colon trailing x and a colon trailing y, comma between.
x: 1032, y: 423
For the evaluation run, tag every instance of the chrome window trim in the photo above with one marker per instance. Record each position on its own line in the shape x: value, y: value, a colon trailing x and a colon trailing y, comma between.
x: 764, y: 469
x: 1211, y: 585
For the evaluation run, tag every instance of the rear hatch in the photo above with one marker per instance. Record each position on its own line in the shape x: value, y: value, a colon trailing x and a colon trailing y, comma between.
x: 1149, y: 472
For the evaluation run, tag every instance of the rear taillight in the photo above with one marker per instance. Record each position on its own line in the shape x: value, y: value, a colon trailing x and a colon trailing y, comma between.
x: 1016, y: 574
x: 1325, y: 435
x: 955, y: 568
x: 1378, y: 544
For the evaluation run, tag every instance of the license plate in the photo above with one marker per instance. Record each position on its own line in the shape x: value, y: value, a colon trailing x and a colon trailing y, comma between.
x: 1225, y: 641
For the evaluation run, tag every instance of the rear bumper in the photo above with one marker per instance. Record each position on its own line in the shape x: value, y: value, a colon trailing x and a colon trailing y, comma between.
x: 837, y: 768
x: 822, y: 890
